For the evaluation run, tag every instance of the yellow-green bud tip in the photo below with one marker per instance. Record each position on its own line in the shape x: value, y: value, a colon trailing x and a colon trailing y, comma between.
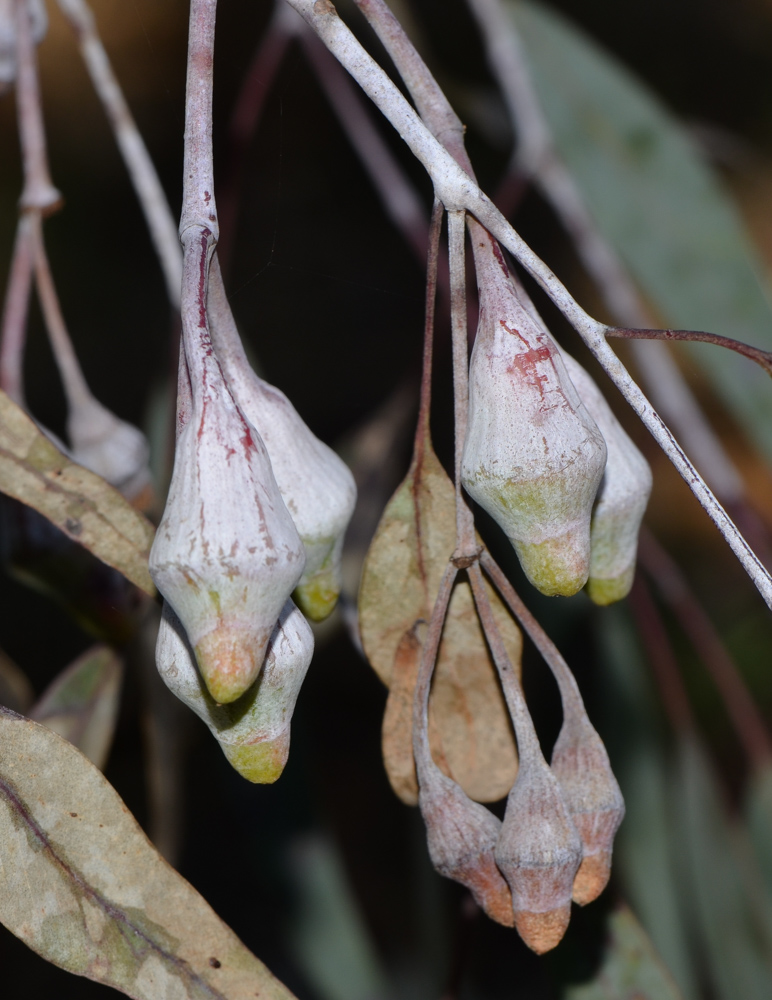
x: 606, y: 590
x: 318, y: 596
x: 557, y: 566
x: 260, y: 763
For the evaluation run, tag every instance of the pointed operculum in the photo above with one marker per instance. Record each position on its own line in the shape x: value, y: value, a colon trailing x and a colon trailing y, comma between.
x: 533, y: 457
x: 622, y: 498
x: 314, y: 482
x: 253, y: 732
x: 226, y: 555
x: 462, y: 837
x: 581, y: 765
x: 539, y: 852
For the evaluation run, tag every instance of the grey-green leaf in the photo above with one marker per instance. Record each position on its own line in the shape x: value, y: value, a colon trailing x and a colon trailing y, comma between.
x: 82, y: 885
x: 81, y: 703
x: 657, y: 202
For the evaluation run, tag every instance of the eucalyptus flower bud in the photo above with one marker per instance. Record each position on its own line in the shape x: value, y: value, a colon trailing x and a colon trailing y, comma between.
x: 622, y: 497
x: 38, y: 22
x: 253, y: 732
x: 109, y: 446
x: 226, y: 555
x: 581, y: 765
x: 533, y: 457
x: 539, y: 852
x: 462, y: 836
x: 315, y: 484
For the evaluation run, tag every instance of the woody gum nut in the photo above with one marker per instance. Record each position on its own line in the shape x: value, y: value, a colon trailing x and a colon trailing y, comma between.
x: 253, y: 732
x: 533, y: 457
x: 539, y: 852
x: 581, y: 765
x: 622, y: 498
x: 462, y: 836
x: 226, y: 555
x: 315, y: 484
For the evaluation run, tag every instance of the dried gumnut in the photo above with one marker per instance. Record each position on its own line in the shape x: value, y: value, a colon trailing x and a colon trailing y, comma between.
x: 533, y: 457
x: 315, y: 484
x: 581, y: 765
x: 226, y: 555
x: 539, y: 852
x: 622, y: 498
x: 38, y: 22
x: 253, y: 732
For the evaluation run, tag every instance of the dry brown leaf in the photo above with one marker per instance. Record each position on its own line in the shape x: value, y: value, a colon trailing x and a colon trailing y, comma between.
x: 78, y: 502
x: 400, y: 580
x: 82, y: 885
x: 81, y: 703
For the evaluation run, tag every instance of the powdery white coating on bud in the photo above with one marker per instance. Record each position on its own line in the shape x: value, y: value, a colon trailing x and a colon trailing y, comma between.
x: 39, y: 23
x: 113, y: 448
x: 622, y: 497
x: 226, y: 555
x: 462, y: 837
x: 254, y: 732
x: 581, y: 765
x: 533, y: 457
x: 539, y: 851
x: 315, y: 484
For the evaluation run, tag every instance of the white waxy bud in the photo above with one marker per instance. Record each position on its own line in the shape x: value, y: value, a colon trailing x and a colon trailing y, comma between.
x: 622, y: 497
x: 39, y: 23
x: 581, y: 765
x: 226, y: 555
x: 462, y: 837
x: 315, y: 484
x: 539, y: 852
x: 253, y: 732
x: 533, y: 457
x: 109, y: 446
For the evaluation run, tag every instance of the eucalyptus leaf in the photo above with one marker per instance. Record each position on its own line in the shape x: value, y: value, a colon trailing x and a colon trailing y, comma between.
x: 81, y: 704
x: 630, y: 966
x: 82, y: 885
x: 657, y: 202
x: 414, y: 541
x: 80, y: 503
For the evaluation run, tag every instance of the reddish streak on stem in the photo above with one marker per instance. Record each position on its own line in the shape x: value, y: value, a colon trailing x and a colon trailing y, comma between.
x: 696, y: 623
x: 662, y: 658
x: 424, y: 412
x: 763, y: 358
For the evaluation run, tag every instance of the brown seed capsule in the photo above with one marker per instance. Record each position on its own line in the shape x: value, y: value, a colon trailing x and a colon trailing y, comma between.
x: 533, y: 457
x: 581, y: 765
x: 539, y: 852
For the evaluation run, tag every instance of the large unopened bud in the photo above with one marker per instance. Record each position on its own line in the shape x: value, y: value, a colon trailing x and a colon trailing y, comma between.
x: 533, y: 457
x: 109, y: 446
x: 314, y: 482
x: 622, y: 497
x: 226, y: 555
x: 253, y: 732
x: 581, y: 765
x: 539, y: 852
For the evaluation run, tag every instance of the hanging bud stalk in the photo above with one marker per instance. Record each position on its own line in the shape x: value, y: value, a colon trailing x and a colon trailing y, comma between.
x: 253, y: 732
x: 226, y: 555
x: 38, y: 19
x: 315, y: 484
x: 461, y: 834
x: 533, y: 456
x: 579, y: 759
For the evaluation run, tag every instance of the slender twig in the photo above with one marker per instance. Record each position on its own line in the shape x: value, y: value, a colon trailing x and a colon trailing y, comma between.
x: 697, y: 624
x: 39, y: 193
x: 423, y: 430
x: 14, y: 322
x: 160, y: 222
x: 421, y: 749
x: 762, y: 358
x: 456, y: 190
x: 662, y: 658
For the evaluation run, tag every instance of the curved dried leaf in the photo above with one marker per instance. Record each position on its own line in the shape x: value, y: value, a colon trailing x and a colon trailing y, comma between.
x: 82, y: 885
x: 630, y: 966
x: 400, y: 581
x: 16, y: 690
x: 78, y: 502
x: 81, y: 704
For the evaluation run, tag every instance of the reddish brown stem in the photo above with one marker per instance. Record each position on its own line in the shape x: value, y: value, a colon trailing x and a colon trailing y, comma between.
x: 662, y: 658
x: 428, y: 659
x: 696, y: 623
x: 763, y: 358
x: 424, y: 411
